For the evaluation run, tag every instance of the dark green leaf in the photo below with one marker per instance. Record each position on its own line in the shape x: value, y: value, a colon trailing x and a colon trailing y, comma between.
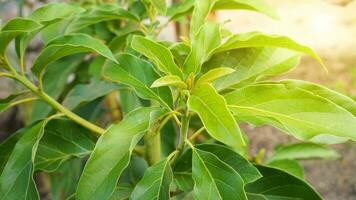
x: 301, y: 151
x: 216, y: 117
x: 140, y: 75
x: 100, y: 13
x: 68, y: 45
x: 159, y: 54
x: 112, y: 155
x: 62, y: 140
x: 276, y: 184
x: 215, y: 179
x: 155, y: 183
x: 294, y: 110
x: 290, y: 166
x: 6, y: 148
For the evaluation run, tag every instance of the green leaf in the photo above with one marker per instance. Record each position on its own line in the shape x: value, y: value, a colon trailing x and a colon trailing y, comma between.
x: 302, y: 151
x: 97, y: 14
x: 122, y: 192
x: 45, y: 15
x: 155, y: 183
x: 257, y: 39
x: 215, y: 179
x: 276, y: 184
x: 6, y: 148
x: 160, y: 6
x: 260, y: 6
x: 217, y: 119
x: 140, y: 75
x: 202, y: 8
x: 214, y: 75
x: 339, y: 99
x: 84, y: 93
x: 16, y: 180
x: 14, y: 28
x: 251, y: 64
x: 68, y: 45
x: 204, y: 43
x: 290, y: 166
x: 7, y: 102
x: 293, y: 110
x: 179, y: 9
x: 171, y: 80
x: 111, y: 155
x: 159, y: 54
x: 62, y: 140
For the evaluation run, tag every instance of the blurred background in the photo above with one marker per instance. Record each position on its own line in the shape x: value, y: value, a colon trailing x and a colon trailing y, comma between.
x: 328, y: 26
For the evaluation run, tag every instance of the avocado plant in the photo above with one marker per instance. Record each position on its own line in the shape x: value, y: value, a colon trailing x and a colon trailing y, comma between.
x: 172, y: 110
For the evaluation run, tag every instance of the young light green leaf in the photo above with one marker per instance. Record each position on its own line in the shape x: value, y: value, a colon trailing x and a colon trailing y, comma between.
x: 215, y: 179
x: 159, y: 54
x: 45, y: 15
x: 140, y: 75
x: 339, y: 99
x: 16, y: 180
x: 204, y: 43
x: 155, y: 183
x: 180, y: 9
x: 276, y: 184
x: 251, y: 64
x: 160, y: 6
x: 293, y: 110
x: 99, y: 13
x: 171, y: 80
x: 260, y: 6
x: 67, y: 45
x: 111, y: 155
x: 62, y: 140
x: 214, y: 75
x: 84, y: 93
x: 302, y: 151
x: 217, y: 119
x: 201, y: 10
x: 257, y: 39
x: 290, y: 166
x: 14, y: 28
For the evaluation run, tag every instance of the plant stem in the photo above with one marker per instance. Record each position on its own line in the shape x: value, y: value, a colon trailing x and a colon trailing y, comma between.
x: 152, y: 140
x: 183, y: 137
x: 45, y: 97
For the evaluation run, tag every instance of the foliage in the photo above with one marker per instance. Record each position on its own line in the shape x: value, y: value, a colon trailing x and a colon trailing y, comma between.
x: 209, y: 82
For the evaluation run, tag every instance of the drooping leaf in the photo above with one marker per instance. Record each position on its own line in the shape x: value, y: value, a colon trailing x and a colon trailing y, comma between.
x: 62, y: 140
x: 159, y: 54
x: 257, y: 39
x: 55, y: 71
x: 215, y: 179
x: 302, y: 151
x: 216, y: 117
x: 201, y: 10
x: 251, y: 64
x: 260, y: 6
x: 276, y: 184
x: 293, y: 110
x: 16, y: 180
x: 111, y: 156
x: 290, y: 166
x: 171, y: 80
x: 339, y: 99
x: 214, y: 75
x: 14, y: 28
x: 84, y: 93
x: 68, y: 45
x: 140, y: 75
x: 99, y: 13
x: 155, y: 183
x: 206, y: 40
x: 46, y: 15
